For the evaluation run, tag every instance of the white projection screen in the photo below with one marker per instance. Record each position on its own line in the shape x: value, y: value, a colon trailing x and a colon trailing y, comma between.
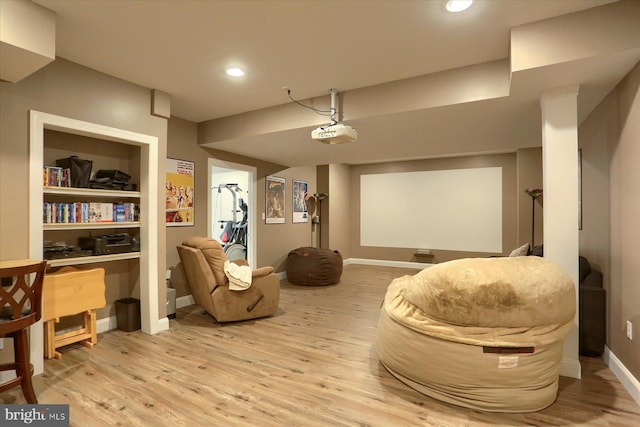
x: 458, y: 209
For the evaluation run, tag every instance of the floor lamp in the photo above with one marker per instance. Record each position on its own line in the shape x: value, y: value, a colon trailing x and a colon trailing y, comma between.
x: 534, y: 193
x: 319, y: 197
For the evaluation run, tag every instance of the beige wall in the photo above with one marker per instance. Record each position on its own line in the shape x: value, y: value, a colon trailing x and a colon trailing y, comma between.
x: 67, y: 89
x: 588, y: 33
x: 529, y: 162
x: 181, y: 144
x: 276, y: 240
x: 340, y: 204
x: 611, y: 208
x: 509, y: 207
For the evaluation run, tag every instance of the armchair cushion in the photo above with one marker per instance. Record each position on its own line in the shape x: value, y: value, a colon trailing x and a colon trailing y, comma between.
x: 213, y: 254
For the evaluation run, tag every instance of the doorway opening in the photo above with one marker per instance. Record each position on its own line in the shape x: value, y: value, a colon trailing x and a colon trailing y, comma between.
x: 232, y: 208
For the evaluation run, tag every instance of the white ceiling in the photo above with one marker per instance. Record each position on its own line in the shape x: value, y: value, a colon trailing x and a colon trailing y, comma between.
x: 183, y: 48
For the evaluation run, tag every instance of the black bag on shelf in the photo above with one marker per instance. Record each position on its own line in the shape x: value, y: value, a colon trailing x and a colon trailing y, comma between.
x: 80, y: 170
x: 113, y: 174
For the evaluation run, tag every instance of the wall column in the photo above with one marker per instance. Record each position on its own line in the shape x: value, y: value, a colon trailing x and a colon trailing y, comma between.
x: 560, y: 185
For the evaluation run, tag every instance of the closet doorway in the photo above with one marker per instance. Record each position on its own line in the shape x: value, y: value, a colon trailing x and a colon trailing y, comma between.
x: 232, y: 208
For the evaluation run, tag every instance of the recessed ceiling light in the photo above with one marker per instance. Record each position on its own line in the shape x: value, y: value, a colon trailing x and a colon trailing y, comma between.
x: 235, y: 72
x: 458, y: 5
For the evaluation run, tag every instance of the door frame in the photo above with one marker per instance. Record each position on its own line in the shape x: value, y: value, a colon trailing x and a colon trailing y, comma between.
x: 253, y: 203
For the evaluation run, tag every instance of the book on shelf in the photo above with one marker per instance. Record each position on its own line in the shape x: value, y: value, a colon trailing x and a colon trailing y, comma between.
x: 88, y: 212
x: 105, y: 212
x: 119, y: 212
x: 54, y: 176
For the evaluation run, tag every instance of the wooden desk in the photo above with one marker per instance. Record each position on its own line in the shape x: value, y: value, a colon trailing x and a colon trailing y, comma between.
x: 15, y: 263
x: 67, y: 292
x: 18, y: 263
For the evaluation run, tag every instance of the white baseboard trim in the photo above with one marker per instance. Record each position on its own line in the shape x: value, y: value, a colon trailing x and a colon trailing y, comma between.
x: 110, y: 323
x: 379, y: 262
x: 184, y: 301
x: 630, y: 383
x: 163, y: 325
x: 106, y: 324
x: 570, y: 368
x: 386, y: 263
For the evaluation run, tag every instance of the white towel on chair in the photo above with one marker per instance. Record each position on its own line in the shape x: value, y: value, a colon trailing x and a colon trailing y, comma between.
x: 239, y: 276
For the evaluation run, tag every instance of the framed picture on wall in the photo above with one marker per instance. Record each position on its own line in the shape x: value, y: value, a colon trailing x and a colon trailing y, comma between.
x: 179, y: 193
x: 274, y: 200
x: 299, y: 194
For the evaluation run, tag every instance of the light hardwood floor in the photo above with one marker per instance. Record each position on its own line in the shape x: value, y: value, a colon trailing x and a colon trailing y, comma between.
x: 313, y: 364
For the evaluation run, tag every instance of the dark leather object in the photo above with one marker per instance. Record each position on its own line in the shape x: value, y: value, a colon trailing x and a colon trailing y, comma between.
x: 314, y: 267
x: 593, y: 311
x: 592, y: 317
x: 80, y: 170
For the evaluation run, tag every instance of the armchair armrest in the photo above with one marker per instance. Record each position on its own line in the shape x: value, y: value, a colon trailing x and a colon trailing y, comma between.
x: 259, y: 272
x: 262, y: 271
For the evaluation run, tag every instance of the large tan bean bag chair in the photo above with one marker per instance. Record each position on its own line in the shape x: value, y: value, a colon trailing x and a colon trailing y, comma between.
x: 484, y: 333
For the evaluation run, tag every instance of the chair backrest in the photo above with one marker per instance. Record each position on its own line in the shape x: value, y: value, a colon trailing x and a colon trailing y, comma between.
x: 21, y: 301
x: 200, y: 276
x: 213, y: 255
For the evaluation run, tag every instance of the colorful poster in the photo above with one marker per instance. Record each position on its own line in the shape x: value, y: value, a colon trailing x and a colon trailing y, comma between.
x: 179, y: 190
x: 300, y: 198
x: 274, y: 200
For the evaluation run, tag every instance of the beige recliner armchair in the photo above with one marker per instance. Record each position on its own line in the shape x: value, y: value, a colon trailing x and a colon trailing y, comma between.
x: 203, y: 260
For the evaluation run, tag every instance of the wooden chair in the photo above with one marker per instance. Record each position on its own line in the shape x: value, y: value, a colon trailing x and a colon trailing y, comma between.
x: 67, y: 292
x: 20, y: 302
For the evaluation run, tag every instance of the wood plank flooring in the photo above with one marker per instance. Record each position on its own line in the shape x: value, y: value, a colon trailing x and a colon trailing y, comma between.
x: 313, y: 364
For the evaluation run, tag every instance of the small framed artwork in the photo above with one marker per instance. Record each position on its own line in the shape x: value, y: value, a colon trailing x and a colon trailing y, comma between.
x: 274, y: 200
x: 179, y: 191
x: 300, y: 213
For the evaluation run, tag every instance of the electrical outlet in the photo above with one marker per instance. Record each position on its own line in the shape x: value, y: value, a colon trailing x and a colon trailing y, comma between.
x: 629, y: 330
x: 1, y: 343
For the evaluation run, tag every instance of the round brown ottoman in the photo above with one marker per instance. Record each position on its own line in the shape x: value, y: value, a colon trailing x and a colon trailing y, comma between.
x: 313, y: 266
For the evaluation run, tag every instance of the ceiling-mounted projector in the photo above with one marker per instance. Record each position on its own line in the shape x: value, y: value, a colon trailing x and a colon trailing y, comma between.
x: 335, y: 134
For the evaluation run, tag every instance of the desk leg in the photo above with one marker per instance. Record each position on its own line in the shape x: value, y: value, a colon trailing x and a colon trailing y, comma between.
x: 49, y: 337
x: 90, y: 321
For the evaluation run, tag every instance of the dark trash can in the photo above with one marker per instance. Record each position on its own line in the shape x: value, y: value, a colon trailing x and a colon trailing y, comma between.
x: 128, y: 314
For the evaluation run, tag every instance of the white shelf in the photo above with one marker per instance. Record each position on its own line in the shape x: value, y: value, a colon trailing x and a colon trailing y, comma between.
x: 89, y: 192
x: 145, y: 159
x: 91, y: 259
x: 89, y: 225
